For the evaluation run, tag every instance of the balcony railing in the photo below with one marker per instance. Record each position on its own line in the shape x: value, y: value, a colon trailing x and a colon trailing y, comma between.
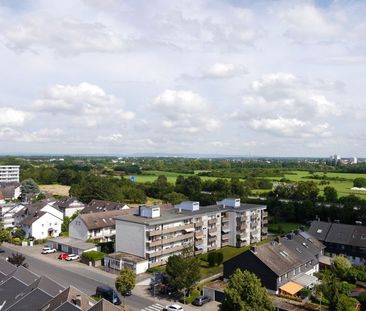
x: 168, y: 230
x: 212, y: 221
x: 178, y: 238
x: 212, y: 230
x: 225, y: 219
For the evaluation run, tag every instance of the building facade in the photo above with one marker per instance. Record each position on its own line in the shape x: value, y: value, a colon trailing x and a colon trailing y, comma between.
x: 9, y: 173
x: 157, y: 234
x: 7, y: 212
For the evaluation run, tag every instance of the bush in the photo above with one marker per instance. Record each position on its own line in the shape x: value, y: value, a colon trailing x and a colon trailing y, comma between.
x: 92, y: 256
x: 212, y: 258
x: 17, y: 241
x: 189, y: 299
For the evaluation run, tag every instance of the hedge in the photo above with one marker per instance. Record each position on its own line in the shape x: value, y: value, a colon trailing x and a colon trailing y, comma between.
x: 92, y: 255
x: 189, y: 299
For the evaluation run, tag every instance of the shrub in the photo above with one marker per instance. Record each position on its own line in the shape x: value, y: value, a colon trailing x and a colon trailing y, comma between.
x: 189, y: 299
x: 17, y: 241
x: 92, y: 256
x: 219, y: 258
x: 212, y: 259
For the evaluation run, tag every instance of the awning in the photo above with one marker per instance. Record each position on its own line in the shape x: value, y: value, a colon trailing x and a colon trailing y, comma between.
x: 291, y: 288
x: 189, y: 229
x: 305, y: 280
x: 199, y: 246
x: 225, y: 230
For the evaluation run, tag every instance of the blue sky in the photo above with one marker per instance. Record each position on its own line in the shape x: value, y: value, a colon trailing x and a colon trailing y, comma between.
x: 274, y: 78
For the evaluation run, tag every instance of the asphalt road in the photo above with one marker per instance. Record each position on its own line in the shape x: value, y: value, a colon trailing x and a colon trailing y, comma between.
x: 84, y: 281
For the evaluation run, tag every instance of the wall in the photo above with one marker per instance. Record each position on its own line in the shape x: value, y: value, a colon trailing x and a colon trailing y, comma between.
x: 78, y: 230
x: 130, y: 238
x: 39, y: 228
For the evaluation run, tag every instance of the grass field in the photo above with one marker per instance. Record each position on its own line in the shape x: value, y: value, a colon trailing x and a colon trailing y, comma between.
x: 56, y: 189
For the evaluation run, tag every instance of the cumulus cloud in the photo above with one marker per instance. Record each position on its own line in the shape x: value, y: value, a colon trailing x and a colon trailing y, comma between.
x: 184, y: 111
x: 86, y: 102
x: 113, y: 138
x: 63, y: 36
x: 13, y: 117
x: 219, y: 71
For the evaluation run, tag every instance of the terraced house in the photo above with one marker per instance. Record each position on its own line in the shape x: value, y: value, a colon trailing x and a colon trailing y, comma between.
x: 155, y: 234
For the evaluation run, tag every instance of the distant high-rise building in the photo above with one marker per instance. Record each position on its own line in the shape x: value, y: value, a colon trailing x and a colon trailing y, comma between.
x: 9, y: 173
x: 354, y: 160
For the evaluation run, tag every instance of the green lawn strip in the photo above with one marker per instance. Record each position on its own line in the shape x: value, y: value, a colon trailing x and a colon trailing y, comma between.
x: 283, y: 227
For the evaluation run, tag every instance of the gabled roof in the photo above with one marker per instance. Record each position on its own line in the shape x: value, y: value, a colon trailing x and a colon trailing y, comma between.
x: 96, y: 206
x: 104, y: 305
x: 352, y: 235
x: 103, y: 219
x: 67, y: 201
x: 32, y: 301
x: 6, y: 268
x: 49, y: 286
x: 24, y: 275
x: 30, y: 219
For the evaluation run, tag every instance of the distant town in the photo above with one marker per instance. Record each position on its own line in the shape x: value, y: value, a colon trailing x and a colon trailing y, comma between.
x: 160, y: 233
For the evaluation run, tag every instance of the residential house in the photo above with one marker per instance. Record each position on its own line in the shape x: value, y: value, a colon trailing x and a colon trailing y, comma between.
x: 342, y: 239
x: 7, y: 212
x: 96, y: 226
x: 10, y: 191
x: 156, y: 234
x: 21, y: 289
x: 284, y: 265
x: 69, y: 206
x: 39, y: 220
x: 96, y: 206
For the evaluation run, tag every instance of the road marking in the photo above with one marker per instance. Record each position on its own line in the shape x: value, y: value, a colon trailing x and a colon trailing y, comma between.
x: 154, y: 307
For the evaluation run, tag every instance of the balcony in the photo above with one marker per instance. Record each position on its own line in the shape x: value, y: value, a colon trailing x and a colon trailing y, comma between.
x: 198, y: 235
x: 225, y: 219
x: 212, y: 247
x: 155, y: 264
x: 153, y: 243
x: 264, y: 214
x: 224, y: 243
x: 212, y: 238
x: 198, y: 224
x: 241, y: 227
x: 153, y: 254
x: 212, y: 221
x: 264, y: 230
x: 178, y: 238
x: 212, y: 230
x: 168, y: 230
x: 265, y: 221
x: 173, y: 249
x: 225, y: 237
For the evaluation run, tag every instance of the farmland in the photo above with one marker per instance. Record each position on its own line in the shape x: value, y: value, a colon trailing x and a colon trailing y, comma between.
x: 343, y: 186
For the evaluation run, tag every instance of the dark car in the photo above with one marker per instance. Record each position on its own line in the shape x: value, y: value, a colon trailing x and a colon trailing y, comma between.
x: 201, y: 300
x: 108, y: 293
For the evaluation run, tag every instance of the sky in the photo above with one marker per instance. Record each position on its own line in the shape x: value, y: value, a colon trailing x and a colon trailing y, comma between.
x: 247, y: 78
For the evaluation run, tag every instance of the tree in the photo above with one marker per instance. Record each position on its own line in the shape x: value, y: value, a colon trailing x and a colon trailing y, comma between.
x: 212, y: 258
x: 4, y: 235
x: 330, y: 194
x: 359, y: 182
x: 245, y: 293
x: 29, y: 188
x: 17, y: 259
x: 126, y: 281
x: 175, y: 197
x: 183, y: 272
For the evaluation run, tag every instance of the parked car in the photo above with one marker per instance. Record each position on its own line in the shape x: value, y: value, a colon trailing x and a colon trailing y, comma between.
x: 173, y: 308
x: 108, y: 293
x: 63, y: 256
x: 2, y: 250
x: 48, y: 250
x: 72, y: 257
x: 201, y: 300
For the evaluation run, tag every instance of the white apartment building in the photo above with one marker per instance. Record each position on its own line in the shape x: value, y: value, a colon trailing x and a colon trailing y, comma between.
x: 9, y: 173
x: 156, y: 234
x: 7, y: 212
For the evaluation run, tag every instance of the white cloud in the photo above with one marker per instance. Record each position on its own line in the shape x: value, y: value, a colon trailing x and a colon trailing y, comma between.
x: 219, y: 71
x: 113, y: 138
x: 13, y: 117
x: 63, y: 36
x: 85, y: 102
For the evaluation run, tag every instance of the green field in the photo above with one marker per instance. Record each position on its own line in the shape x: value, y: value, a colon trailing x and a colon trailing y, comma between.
x: 343, y: 187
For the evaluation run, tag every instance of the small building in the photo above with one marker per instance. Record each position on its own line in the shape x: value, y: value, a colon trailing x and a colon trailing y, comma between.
x: 285, y: 265
x: 97, y: 206
x: 71, y: 245
x: 10, y: 191
x: 121, y: 260
x: 69, y: 206
x: 96, y: 226
x: 342, y: 239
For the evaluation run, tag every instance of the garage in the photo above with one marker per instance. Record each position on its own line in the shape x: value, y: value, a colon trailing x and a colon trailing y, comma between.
x: 71, y: 245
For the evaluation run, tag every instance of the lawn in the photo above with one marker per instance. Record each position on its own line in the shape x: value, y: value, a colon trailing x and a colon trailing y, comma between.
x: 283, y: 227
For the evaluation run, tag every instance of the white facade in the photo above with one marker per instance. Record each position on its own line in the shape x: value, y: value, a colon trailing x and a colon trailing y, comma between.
x: 45, y: 226
x: 9, y: 173
x: 7, y: 212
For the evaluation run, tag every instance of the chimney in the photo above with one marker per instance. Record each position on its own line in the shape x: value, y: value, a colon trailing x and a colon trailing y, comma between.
x: 77, y: 300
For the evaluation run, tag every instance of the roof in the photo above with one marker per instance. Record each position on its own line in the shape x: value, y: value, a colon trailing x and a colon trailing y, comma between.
x: 34, y: 300
x: 11, y: 289
x: 174, y: 214
x: 67, y: 306
x: 24, y: 275
x: 49, y: 286
x: 8, y: 189
x: 67, y: 201
x: 125, y: 257
x: 95, y: 206
x: 69, y: 241
x: 6, y: 268
x: 31, y: 208
x: 305, y: 279
x: 103, y: 219
x: 291, y: 288
x: 30, y: 219
x: 104, y: 305
x: 352, y: 235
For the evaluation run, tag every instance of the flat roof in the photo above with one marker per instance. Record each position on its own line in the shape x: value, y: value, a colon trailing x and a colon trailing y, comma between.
x: 170, y: 215
x: 80, y: 244
x: 126, y: 257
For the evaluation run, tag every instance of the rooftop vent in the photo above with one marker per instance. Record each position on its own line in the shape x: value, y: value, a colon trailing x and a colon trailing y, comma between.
x: 358, y: 223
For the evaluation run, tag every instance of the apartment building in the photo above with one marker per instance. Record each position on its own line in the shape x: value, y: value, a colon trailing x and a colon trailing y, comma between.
x: 7, y: 212
x: 9, y: 173
x: 156, y: 234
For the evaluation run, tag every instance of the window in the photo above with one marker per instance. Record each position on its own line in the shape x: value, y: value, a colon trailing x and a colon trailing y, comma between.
x: 42, y: 226
x: 55, y: 223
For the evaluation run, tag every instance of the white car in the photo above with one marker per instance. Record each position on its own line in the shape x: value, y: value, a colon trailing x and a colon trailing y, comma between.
x: 173, y: 308
x: 72, y: 257
x: 48, y: 250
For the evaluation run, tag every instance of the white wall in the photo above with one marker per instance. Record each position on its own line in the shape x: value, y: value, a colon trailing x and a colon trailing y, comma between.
x: 39, y: 228
x: 130, y: 238
x: 50, y: 209
x: 142, y: 266
x: 78, y: 229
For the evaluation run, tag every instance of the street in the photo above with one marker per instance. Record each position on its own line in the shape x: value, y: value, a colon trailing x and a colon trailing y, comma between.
x: 85, y: 280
